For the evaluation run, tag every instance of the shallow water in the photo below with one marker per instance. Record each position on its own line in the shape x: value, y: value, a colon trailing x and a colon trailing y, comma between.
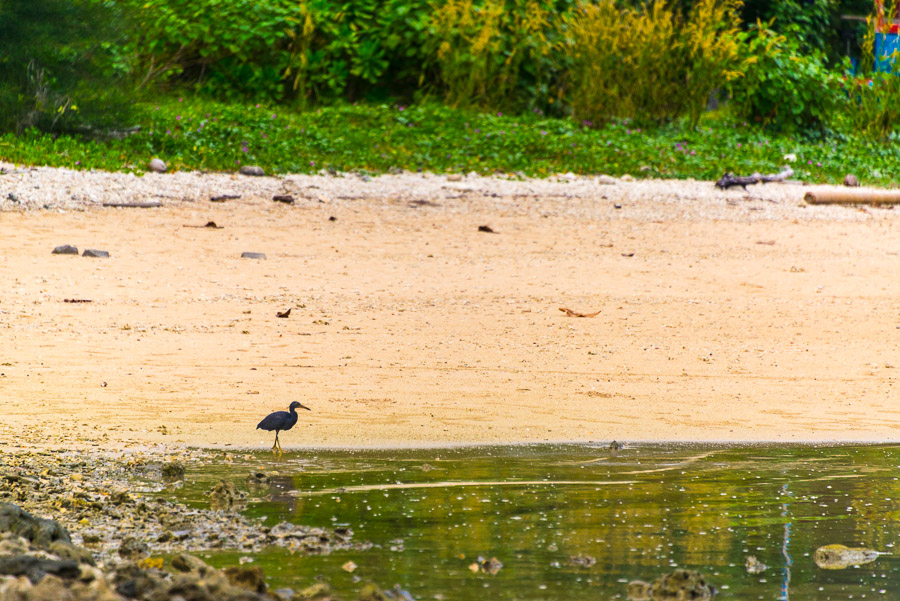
x: 640, y: 512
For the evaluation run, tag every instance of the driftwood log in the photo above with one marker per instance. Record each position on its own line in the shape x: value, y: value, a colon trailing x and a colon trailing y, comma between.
x: 842, y: 196
x: 729, y: 179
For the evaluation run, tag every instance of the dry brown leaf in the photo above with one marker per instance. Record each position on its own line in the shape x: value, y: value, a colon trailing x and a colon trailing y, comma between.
x: 571, y: 313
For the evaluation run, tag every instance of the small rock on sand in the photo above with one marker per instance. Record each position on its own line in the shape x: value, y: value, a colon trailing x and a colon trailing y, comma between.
x: 157, y: 166
x: 249, y: 255
x: 850, y: 181
x: 65, y: 249
x: 252, y: 170
x: 97, y: 254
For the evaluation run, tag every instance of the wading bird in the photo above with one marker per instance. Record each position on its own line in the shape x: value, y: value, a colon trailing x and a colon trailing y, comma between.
x: 280, y: 420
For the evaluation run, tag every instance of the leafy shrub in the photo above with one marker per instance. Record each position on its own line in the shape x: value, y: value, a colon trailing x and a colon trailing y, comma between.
x: 278, y: 49
x: 481, y: 50
x: 873, y: 107
x: 654, y: 63
x: 783, y: 88
x: 58, y: 67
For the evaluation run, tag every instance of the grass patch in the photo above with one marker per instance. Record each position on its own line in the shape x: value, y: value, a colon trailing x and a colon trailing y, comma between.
x: 200, y: 135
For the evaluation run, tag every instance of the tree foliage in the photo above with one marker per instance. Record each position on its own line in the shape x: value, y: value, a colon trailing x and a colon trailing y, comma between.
x: 59, y: 64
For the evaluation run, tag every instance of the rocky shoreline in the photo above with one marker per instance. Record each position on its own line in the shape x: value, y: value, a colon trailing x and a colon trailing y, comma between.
x: 89, y: 527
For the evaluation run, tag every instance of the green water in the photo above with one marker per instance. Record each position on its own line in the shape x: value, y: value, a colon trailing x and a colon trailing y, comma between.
x: 639, y: 513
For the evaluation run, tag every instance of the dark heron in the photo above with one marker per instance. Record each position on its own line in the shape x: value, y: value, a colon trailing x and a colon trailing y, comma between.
x: 280, y: 420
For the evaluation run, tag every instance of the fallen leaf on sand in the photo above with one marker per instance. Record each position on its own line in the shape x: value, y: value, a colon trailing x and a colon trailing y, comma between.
x: 486, y: 229
x: 571, y: 313
x: 283, y: 313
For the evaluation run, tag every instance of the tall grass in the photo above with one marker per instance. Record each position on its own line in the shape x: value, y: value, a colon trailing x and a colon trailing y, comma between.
x: 650, y: 63
x: 479, y: 48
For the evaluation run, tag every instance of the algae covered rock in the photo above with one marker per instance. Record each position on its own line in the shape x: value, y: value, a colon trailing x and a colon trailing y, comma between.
x: 754, y: 566
x: 224, y: 496
x: 251, y: 579
x: 173, y: 471
x: 679, y: 585
x: 133, y: 549
x: 838, y: 557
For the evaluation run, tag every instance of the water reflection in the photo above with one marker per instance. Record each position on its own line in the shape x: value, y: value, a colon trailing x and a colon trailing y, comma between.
x: 577, y: 522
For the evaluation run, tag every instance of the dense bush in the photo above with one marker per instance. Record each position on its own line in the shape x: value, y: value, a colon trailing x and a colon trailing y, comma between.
x: 58, y: 65
x: 783, y: 88
x: 280, y: 50
x: 497, y: 53
x: 651, y: 63
x: 595, y: 60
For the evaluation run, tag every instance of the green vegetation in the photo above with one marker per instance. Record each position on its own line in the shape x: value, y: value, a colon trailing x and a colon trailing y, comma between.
x: 374, y: 139
x: 515, y: 86
x: 53, y: 53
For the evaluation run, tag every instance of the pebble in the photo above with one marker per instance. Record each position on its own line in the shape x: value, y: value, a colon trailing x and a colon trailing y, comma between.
x: 157, y: 166
x: 104, y: 509
x: 65, y: 249
x: 850, y: 181
x: 606, y: 180
x: 648, y: 199
x: 249, y: 255
x: 97, y: 254
x: 253, y: 170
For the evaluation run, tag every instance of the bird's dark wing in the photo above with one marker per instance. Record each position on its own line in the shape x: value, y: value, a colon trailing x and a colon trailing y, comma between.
x: 275, y: 421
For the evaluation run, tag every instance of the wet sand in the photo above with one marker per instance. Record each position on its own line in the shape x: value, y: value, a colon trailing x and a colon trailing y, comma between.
x: 724, y: 316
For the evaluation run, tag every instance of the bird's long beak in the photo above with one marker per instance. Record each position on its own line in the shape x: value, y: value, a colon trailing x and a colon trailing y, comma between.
x: 305, y: 407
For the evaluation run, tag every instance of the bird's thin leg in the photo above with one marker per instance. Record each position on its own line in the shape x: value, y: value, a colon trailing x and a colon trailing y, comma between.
x: 275, y: 446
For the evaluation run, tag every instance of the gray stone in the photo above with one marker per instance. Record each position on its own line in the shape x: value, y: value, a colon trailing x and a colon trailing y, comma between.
x: 184, y: 562
x: 249, y: 255
x: 606, y: 180
x: 65, y: 249
x: 850, y: 181
x: 132, y: 548
x: 97, y: 254
x: 157, y: 166
x: 39, y: 531
x: 252, y: 170
x: 35, y: 568
x: 65, y: 550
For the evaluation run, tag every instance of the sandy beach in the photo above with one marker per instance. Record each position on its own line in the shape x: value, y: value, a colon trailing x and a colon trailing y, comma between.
x: 723, y: 316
